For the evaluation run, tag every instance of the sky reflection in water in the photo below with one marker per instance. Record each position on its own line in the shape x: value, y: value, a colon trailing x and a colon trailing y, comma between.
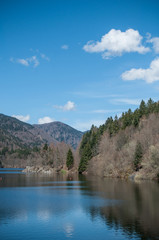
x: 44, y: 207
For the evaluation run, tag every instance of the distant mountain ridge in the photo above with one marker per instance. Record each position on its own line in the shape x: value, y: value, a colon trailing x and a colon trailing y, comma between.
x: 17, y: 134
x: 61, y: 132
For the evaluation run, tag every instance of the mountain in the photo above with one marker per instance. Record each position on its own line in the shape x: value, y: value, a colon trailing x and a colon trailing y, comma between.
x: 61, y: 132
x: 16, y: 134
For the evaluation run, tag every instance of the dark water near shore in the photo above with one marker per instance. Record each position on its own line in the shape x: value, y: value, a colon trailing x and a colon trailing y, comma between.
x: 63, y: 207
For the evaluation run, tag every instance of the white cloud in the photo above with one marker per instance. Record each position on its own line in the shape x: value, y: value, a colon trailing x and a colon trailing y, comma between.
x: 45, y: 120
x: 33, y: 60
x: 22, y: 118
x: 149, y: 75
x: 116, y: 43
x: 69, y: 106
x: 65, y: 47
x: 84, y: 126
x: 155, y: 42
x: 126, y: 101
x: 23, y: 62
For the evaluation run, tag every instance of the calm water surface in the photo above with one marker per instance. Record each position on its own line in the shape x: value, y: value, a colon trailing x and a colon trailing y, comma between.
x: 68, y: 207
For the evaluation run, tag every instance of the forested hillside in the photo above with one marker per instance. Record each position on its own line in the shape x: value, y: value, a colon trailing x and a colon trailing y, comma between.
x: 124, y: 146
x: 61, y: 132
x: 23, y: 144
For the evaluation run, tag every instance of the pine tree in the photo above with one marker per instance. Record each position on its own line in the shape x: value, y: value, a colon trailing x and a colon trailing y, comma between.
x: 45, y: 147
x: 142, y: 108
x: 70, y: 159
x: 116, y: 126
x: 136, y: 118
x: 138, y: 156
x: 150, y: 105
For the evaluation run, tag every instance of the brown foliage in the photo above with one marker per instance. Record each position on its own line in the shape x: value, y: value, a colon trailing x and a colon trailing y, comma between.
x: 116, y: 154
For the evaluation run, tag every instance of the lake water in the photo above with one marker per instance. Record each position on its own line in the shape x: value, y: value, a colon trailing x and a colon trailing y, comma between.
x: 68, y: 207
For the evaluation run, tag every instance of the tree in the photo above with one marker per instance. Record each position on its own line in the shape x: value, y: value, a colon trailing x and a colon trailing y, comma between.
x: 45, y: 147
x: 70, y: 159
x: 150, y: 105
x: 136, y: 118
x: 116, y: 126
x: 142, y: 108
x: 85, y: 157
x: 138, y: 156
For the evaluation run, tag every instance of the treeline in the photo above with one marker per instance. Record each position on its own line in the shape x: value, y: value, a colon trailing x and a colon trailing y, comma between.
x: 22, y: 152
x: 56, y: 156
x: 91, y: 139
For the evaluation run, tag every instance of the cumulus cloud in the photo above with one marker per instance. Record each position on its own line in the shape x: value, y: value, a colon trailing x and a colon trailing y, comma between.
x: 45, y: 120
x: 22, y: 118
x: 149, y: 75
x: 155, y: 42
x: 64, y: 47
x: 69, y: 106
x: 116, y: 43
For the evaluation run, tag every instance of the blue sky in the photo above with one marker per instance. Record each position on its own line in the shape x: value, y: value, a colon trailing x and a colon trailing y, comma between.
x: 77, y: 61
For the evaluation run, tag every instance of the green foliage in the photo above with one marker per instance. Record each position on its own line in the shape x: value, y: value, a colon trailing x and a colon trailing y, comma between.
x: 88, y: 147
x: 36, y: 149
x: 63, y: 171
x: 138, y: 156
x: 85, y: 157
x: 90, y: 141
x: 23, y: 153
x: 45, y: 148
x: 70, y: 159
x: 136, y: 118
x: 142, y: 108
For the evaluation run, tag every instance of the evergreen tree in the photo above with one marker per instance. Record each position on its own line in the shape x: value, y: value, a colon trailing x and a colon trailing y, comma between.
x: 116, y: 126
x: 142, y: 108
x: 150, y: 106
x: 45, y: 148
x: 136, y: 118
x: 138, y: 156
x: 85, y: 157
x: 70, y: 159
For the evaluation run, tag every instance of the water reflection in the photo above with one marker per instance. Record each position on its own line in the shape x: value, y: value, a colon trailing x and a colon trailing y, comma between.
x: 69, y: 229
x: 61, y: 207
x: 138, y: 213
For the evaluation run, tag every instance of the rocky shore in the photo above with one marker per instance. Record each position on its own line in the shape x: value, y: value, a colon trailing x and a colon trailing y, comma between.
x: 41, y: 169
x: 48, y: 170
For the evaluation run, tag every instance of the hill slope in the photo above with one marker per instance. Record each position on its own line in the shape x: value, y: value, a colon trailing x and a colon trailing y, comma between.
x: 22, y: 144
x: 128, y: 146
x: 61, y: 132
x: 16, y: 134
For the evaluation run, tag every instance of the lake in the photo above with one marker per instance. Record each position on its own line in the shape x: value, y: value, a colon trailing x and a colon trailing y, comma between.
x: 62, y: 207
